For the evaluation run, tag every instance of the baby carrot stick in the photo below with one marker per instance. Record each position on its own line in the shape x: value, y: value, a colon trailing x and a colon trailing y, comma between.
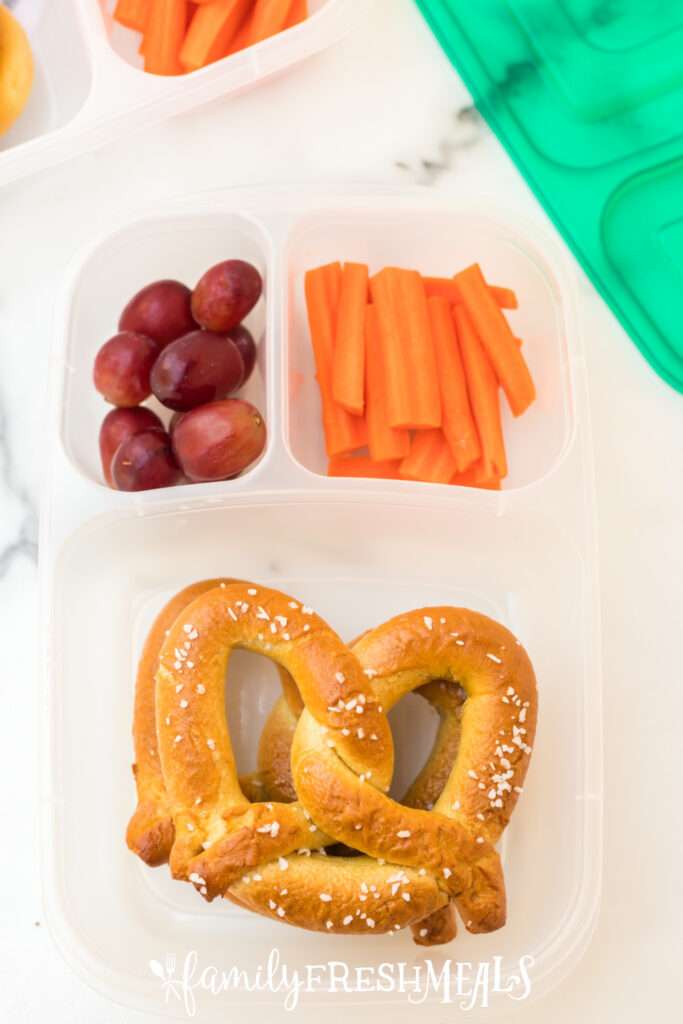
x: 343, y: 432
x: 241, y: 39
x: 482, y: 387
x: 384, y: 442
x: 474, y: 477
x: 132, y: 13
x: 497, y: 339
x: 297, y: 14
x: 348, y: 368
x: 430, y: 459
x: 362, y: 466
x: 458, y: 423
x: 505, y: 297
x: 269, y: 18
x: 212, y: 30
x: 164, y: 33
x: 412, y: 380
x: 447, y: 288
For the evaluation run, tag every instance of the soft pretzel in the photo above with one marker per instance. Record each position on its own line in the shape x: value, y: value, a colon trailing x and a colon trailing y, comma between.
x: 227, y: 846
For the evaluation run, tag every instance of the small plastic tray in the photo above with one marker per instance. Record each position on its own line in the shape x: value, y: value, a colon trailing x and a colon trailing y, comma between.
x: 588, y: 100
x: 90, y: 87
x: 357, y: 550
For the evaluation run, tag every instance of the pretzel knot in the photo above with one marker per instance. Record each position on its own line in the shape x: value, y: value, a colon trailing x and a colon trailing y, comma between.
x: 414, y: 864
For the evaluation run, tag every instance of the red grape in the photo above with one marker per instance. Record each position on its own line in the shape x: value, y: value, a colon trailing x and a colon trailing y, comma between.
x: 247, y: 349
x: 162, y: 311
x: 120, y: 424
x: 226, y: 294
x: 122, y: 368
x: 144, y: 462
x: 219, y: 440
x: 199, y: 368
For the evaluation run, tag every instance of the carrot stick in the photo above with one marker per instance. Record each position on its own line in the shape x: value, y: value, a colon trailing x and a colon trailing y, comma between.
x: 269, y: 18
x: 212, y: 29
x: 132, y: 14
x: 497, y: 339
x: 447, y: 288
x: 348, y: 368
x: 164, y: 34
x: 458, y: 423
x: 241, y: 39
x: 297, y: 14
x: 505, y: 297
x: 482, y: 388
x: 362, y: 466
x: 384, y: 442
x: 343, y: 432
x: 430, y: 459
x: 412, y: 380
x: 475, y: 477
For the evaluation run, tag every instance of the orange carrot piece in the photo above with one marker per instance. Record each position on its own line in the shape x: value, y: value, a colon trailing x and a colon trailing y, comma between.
x: 430, y: 459
x: 269, y: 18
x: 447, y: 288
x: 164, y: 33
x: 241, y: 39
x: 132, y: 14
x: 343, y: 432
x: 212, y: 30
x: 362, y: 466
x: 412, y: 380
x: 505, y: 297
x: 475, y: 477
x: 348, y: 368
x: 458, y: 423
x: 442, y: 288
x: 482, y: 388
x: 384, y: 442
x: 497, y: 339
x: 297, y: 14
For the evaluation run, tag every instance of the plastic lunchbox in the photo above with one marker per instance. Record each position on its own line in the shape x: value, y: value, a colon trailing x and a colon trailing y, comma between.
x: 357, y: 550
x: 90, y: 87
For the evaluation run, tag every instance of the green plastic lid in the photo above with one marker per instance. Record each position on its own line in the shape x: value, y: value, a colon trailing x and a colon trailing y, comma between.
x: 587, y: 97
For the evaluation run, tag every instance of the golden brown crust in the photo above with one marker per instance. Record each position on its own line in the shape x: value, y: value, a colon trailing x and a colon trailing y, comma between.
x: 437, y: 929
x: 150, y: 831
x: 342, y: 760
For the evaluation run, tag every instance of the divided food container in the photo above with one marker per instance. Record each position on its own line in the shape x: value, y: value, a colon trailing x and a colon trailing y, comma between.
x: 90, y: 87
x: 357, y: 550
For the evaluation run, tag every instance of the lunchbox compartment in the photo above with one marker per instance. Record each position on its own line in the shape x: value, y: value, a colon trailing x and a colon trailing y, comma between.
x: 126, y: 43
x: 357, y: 562
x: 181, y: 247
x: 62, y: 75
x: 437, y: 242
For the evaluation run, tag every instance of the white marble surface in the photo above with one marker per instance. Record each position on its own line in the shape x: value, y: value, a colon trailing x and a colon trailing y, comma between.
x: 384, y: 106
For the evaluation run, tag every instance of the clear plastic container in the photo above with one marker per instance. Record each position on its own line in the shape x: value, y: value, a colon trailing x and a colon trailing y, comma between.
x: 357, y: 550
x: 90, y: 87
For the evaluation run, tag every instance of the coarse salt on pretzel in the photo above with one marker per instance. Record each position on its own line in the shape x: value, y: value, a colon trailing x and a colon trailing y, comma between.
x: 453, y: 842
